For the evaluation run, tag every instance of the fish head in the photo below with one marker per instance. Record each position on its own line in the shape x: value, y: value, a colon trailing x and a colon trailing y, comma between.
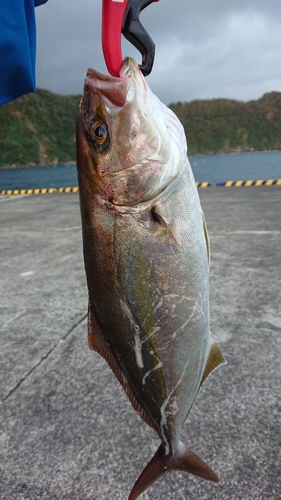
x: 129, y: 144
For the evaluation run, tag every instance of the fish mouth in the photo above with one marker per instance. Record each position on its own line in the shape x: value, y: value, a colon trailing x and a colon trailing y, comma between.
x: 114, y: 91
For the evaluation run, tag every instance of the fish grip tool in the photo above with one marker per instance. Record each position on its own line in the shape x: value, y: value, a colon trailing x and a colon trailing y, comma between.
x: 122, y: 16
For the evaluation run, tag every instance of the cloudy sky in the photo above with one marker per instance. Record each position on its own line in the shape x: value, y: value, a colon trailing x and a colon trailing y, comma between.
x: 204, y: 48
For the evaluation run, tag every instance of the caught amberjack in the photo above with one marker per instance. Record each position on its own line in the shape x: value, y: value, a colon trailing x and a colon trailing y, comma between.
x: 146, y: 255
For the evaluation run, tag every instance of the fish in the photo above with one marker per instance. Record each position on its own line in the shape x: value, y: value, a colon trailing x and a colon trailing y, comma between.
x: 146, y: 254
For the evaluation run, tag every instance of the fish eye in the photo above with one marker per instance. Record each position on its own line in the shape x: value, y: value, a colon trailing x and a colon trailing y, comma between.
x: 99, y: 132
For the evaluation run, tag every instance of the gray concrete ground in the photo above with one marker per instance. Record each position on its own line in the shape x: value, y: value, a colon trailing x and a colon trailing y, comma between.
x: 67, y: 431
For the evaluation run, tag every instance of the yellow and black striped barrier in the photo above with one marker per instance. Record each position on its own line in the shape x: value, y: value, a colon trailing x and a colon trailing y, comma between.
x: 40, y: 191
x: 28, y: 191
x: 203, y: 184
x: 69, y: 190
x: 251, y: 183
x: 198, y: 184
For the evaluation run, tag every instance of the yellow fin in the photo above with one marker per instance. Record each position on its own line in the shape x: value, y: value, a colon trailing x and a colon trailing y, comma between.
x: 206, y: 237
x: 215, y: 359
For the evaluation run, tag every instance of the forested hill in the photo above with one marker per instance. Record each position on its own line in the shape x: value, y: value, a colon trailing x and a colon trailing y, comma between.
x: 39, y: 128
x: 225, y: 125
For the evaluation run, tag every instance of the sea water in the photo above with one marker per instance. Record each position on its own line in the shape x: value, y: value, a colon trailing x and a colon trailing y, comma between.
x: 215, y: 169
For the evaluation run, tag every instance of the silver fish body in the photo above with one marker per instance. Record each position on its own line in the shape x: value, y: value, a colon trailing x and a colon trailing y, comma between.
x: 146, y: 256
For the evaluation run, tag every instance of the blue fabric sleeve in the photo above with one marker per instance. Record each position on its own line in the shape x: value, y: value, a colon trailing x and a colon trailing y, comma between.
x: 17, y: 48
x: 39, y: 2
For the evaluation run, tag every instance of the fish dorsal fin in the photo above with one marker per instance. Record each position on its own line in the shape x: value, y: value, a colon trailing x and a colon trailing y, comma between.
x: 98, y: 343
x: 206, y: 237
x: 215, y: 359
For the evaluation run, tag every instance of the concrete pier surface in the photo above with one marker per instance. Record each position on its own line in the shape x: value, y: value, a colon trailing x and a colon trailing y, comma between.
x: 67, y: 431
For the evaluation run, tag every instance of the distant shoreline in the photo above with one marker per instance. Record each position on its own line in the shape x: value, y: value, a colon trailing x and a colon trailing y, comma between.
x: 17, y: 167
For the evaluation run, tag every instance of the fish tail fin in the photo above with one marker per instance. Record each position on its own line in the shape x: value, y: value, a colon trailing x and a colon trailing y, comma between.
x: 183, y: 459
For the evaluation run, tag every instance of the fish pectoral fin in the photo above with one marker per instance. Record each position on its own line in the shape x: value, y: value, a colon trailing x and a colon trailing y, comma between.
x: 174, y: 232
x: 99, y: 343
x: 169, y: 225
x: 183, y: 459
x: 215, y: 359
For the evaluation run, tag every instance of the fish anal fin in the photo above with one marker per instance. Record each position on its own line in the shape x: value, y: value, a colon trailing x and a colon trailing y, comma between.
x: 183, y: 459
x: 99, y: 343
x: 215, y: 359
x: 96, y: 340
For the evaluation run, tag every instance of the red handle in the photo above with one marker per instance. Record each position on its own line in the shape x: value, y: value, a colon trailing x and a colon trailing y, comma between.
x: 113, y: 12
x: 112, y: 18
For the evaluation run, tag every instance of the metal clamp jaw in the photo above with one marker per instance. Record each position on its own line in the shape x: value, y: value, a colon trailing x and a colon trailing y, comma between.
x: 122, y: 16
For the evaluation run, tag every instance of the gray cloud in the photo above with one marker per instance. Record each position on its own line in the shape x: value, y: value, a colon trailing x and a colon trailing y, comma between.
x: 204, y: 48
